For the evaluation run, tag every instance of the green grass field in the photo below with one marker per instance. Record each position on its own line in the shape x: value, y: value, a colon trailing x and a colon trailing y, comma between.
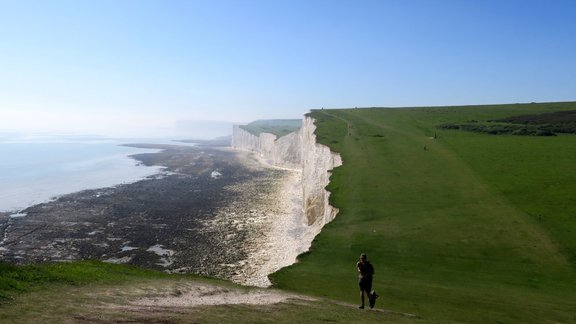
x: 464, y: 227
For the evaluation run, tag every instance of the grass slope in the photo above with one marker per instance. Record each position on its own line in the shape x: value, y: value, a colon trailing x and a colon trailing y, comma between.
x: 17, y: 280
x: 95, y: 292
x: 467, y: 227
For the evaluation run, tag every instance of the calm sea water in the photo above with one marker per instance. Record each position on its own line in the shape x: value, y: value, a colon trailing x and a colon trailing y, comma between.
x: 35, y: 169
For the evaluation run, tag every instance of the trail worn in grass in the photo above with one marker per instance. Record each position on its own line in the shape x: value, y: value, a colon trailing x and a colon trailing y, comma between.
x: 180, y: 300
x: 461, y: 226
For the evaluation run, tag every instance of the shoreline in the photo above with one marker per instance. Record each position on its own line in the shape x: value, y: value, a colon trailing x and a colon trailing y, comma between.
x: 69, y: 175
x: 154, y: 223
x: 213, y: 211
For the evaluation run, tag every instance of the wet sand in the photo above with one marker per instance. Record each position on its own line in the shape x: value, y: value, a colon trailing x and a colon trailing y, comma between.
x: 213, y: 212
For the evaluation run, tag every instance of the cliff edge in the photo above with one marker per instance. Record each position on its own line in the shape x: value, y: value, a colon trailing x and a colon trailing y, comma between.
x: 298, y: 150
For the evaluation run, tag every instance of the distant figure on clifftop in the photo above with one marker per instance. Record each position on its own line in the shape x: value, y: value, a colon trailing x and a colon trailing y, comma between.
x: 366, y: 271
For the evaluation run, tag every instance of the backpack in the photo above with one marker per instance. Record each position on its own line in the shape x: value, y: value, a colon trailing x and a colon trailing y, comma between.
x: 367, y: 269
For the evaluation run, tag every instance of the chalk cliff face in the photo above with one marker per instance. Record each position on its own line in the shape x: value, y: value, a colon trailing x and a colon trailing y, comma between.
x: 298, y: 150
x: 285, y: 151
x: 317, y: 162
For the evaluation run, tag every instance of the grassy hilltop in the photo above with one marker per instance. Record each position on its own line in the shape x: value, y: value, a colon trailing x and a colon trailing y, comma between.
x: 461, y: 226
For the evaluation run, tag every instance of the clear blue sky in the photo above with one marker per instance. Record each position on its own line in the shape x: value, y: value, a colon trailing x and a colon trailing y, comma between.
x: 112, y: 65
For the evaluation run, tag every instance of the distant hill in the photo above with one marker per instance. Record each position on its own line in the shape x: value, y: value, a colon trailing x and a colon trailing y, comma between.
x: 278, y: 127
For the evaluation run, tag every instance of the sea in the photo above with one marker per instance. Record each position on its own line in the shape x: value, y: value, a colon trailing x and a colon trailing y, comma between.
x: 36, y: 168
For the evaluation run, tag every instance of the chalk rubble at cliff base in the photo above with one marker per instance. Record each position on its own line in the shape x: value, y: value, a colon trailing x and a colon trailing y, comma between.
x: 282, y: 236
x: 302, y: 207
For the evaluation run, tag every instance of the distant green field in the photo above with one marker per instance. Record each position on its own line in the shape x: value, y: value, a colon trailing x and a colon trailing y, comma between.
x: 278, y: 127
x: 461, y: 226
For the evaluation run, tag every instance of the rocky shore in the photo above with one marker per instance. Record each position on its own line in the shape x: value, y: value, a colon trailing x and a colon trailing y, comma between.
x: 213, y: 211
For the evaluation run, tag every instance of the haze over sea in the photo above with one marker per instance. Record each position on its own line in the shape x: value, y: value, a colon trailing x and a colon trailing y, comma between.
x: 36, y: 168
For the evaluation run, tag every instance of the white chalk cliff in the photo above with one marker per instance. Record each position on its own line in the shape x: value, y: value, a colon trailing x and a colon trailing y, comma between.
x: 298, y: 150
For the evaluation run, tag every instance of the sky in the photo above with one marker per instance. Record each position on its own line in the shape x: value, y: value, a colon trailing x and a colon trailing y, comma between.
x: 138, y: 66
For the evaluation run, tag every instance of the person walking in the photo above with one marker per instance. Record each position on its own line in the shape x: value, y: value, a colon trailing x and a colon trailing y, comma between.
x: 365, y: 273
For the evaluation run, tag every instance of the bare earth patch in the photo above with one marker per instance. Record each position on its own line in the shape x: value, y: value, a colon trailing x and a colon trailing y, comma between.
x: 203, y: 295
x: 183, y: 296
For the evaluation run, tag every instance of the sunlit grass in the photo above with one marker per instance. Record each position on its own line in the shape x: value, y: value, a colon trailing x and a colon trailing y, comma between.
x: 461, y: 226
